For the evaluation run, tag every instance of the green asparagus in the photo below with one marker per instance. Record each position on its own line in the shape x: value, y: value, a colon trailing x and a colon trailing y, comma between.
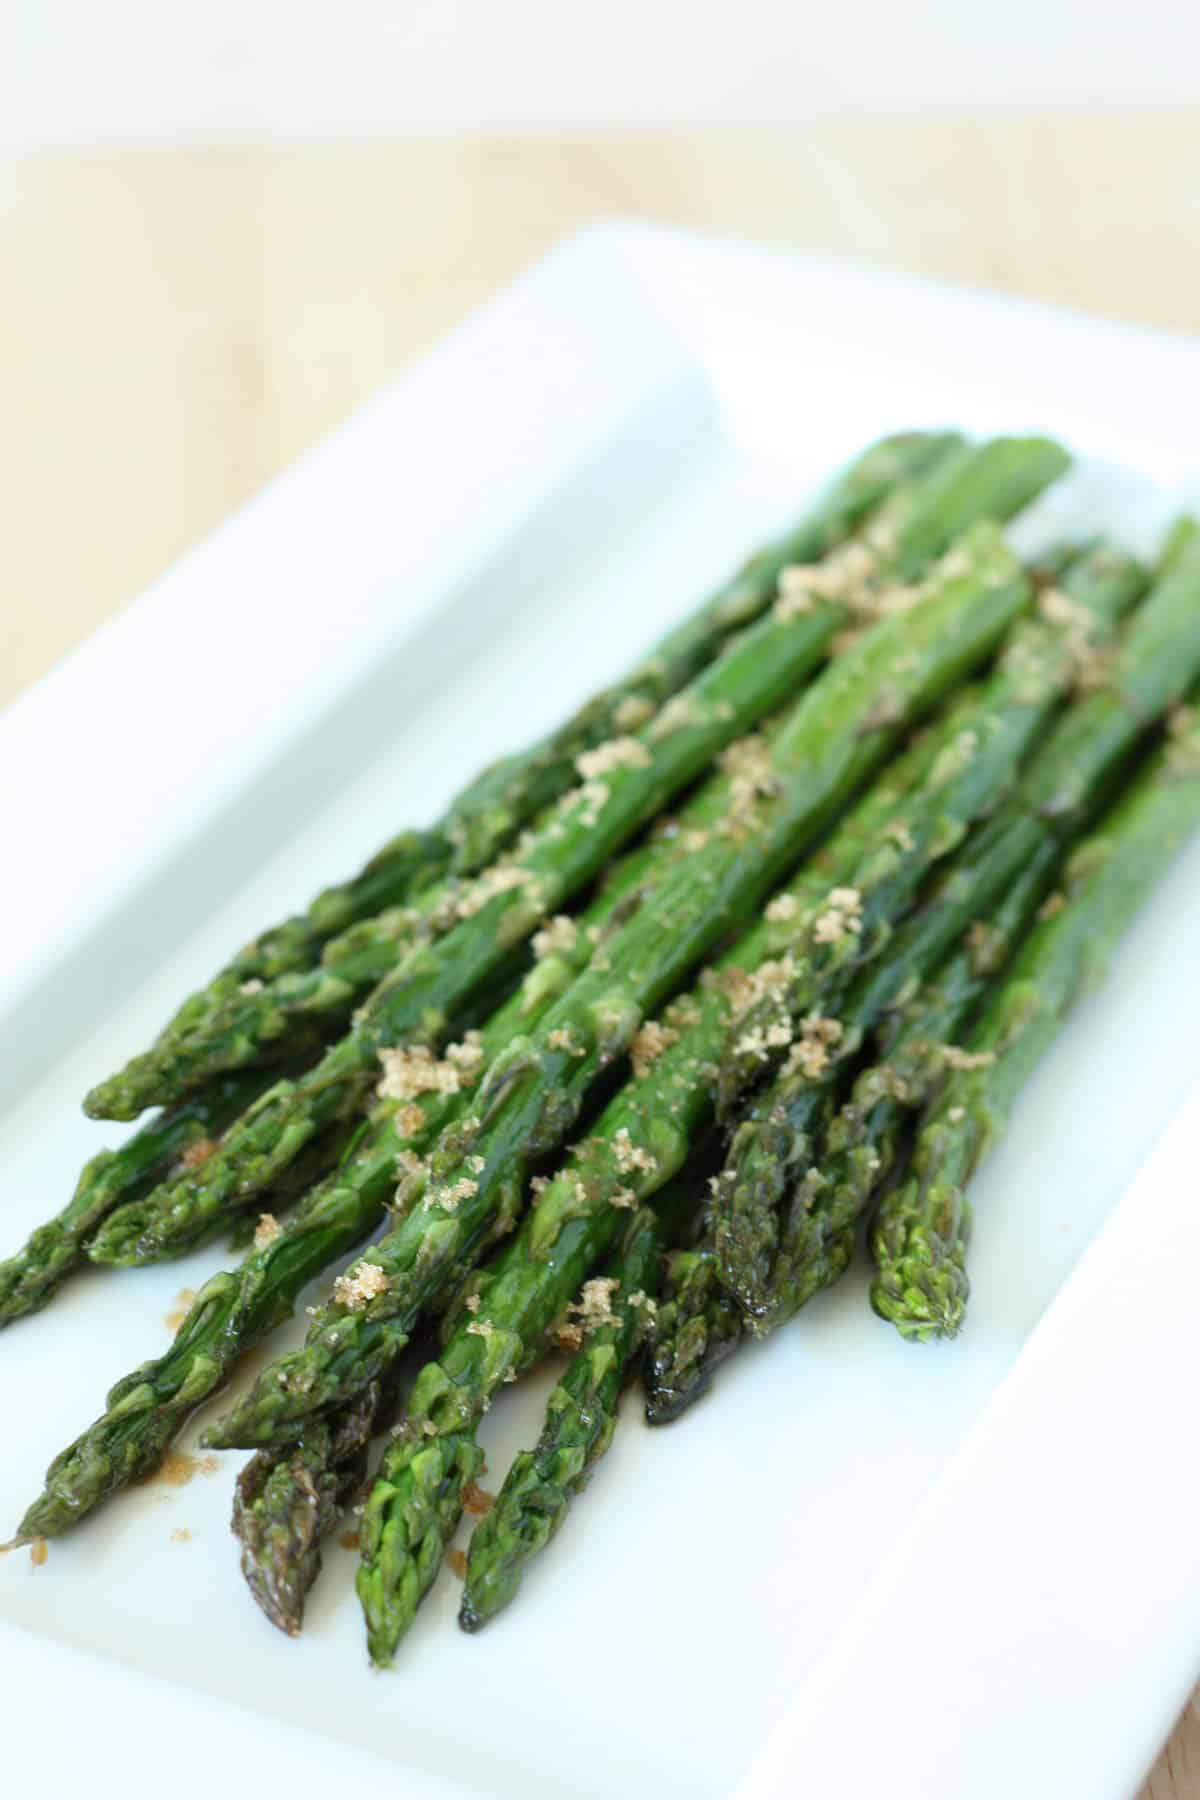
x: 435, y: 978
x: 832, y: 741
x: 1046, y: 656
x: 296, y: 1481
x: 920, y: 1234
x: 487, y: 817
x: 285, y: 1506
x: 416, y: 1500
x: 238, y: 1306
x: 1158, y: 656
x: 581, y: 1416
x: 184, y: 1134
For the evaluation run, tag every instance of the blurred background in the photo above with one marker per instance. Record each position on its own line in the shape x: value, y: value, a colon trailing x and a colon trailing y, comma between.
x: 222, y: 226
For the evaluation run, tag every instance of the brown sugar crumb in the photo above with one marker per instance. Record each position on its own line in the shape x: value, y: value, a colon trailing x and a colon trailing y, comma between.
x: 456, y: 1562
x: 501, y: 878
x: 181, y: 1308
x: 468, y: 1054
x: 840, y: 917
x: 198, y: 1153
x: 632, y: 712
x: 812, y: 1051
x: 593, y: 797
x: 266, y: 1231
x: 350, y: 1540
x: 954, y: 1058
x: 679, y: 713
x: 177, y: 1468
x: 747, y: 763
x: 181, y: 1536
x: 556, y: 937
x: 594, y: 1305
x: 448, y: 1196
x: 412, y: 1069
x: 618, y: 753
x: 477, y: 1501
x: 648, y: 1044
x: 630, y: 1156
x: 568, y: 1335
x: 359, y: 1285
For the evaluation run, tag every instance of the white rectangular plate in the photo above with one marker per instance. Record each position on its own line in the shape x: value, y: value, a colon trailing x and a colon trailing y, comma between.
x: 833, y: 1547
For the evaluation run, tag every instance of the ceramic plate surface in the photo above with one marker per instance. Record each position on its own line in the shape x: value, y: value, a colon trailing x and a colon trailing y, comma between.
x: 970, y: 1569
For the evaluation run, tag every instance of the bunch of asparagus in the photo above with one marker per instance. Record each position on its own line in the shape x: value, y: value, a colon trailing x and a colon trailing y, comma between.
x: 619, y: 1054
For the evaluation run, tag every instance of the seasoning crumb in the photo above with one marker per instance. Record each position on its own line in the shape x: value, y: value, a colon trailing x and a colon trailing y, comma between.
x: 181, y: 1536
x: 412, y: 1069
x: 359, y: 1285
x: 648, y: 1044
x: 266, y: 1231
x: 618, y: 753
x: 477, y: 1501
x: 456, y: 1562
x: 181, y: 1308
x: 840, y: 917
x: 198, y: 1153
x: 955, y: 1058
x: 957, y: 1114
x: 556, y: 937
x: 39, y: 1550
x: 783, y: 906
x: 350, y: 1540
x: 630, y: 1156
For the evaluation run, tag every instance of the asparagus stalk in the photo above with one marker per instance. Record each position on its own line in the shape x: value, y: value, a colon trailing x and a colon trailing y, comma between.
x: 1158, y: 656
x: 415, y: 1503
x: 830, y: 743
x: 487, y: 817
x: 185, y: 1134
x: 581, y: 1416
x: 238, y: 1306
x: 437, y: 978
x: 920, y: 1235
x: 1046, y: 655
x: 293, y: 1494
x: 698, y: 1324
x: 285, y: 1506
x: 863, y: 1142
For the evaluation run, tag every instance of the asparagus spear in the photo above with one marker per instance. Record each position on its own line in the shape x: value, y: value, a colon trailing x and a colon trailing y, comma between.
x: 487, y: 817
x: 832, y: 740
x: 186, y: 1133
x: 1044, y: 658
x: 920, y: 1234
x: 862, y: 1143
x: 236, y: 1307
x: 698, y: 1324
x: 581, y: 1416
x: 285, y: 1505
x: 1159, y: 654
x: 293, y: 1494
x: 435, y: 978
x: 416, y: 1501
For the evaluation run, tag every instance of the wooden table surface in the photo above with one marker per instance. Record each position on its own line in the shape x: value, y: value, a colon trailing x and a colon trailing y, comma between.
x: 176, y: 327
